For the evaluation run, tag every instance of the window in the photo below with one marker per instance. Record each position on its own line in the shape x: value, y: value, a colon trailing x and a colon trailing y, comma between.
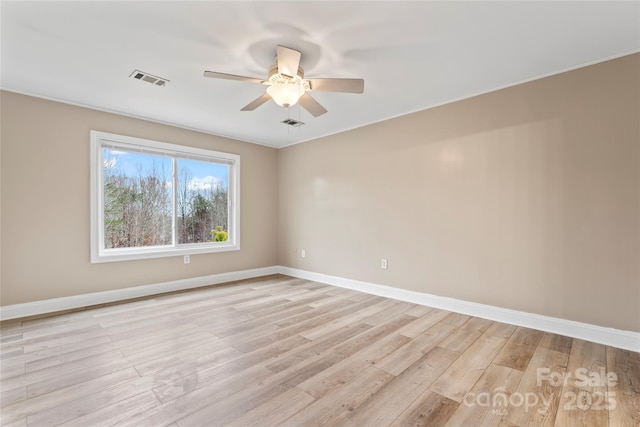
x: 152, y: 199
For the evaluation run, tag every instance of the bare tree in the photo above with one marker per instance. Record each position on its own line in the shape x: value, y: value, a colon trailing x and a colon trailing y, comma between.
x: 138, y: 209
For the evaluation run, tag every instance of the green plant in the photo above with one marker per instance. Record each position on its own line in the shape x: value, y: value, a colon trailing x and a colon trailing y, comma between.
x: 219, y: 235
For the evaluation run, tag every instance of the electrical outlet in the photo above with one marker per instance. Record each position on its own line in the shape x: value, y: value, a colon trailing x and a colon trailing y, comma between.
x: 187, y: 259
x: 303, y: 253
x: 383, y: 264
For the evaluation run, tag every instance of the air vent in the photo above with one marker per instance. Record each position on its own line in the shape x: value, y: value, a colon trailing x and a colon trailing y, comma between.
x: 149, y: 78
x: 292, y: 122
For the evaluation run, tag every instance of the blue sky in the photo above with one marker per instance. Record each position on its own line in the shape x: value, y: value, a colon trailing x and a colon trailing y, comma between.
x: 203, y: 174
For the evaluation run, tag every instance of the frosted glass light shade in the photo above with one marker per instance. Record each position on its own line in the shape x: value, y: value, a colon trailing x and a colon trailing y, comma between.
x: 285, y: 94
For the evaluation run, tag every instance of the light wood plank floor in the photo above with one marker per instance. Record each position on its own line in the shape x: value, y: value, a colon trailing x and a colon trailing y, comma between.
x: 283, y: 351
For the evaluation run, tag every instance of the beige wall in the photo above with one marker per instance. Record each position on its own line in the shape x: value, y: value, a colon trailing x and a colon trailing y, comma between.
x: 45, y: 203
x: 526, y: 198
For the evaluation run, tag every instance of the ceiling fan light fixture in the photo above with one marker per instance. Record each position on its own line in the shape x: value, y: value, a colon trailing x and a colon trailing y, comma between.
x: 288, y: 88
x: 286, y: 94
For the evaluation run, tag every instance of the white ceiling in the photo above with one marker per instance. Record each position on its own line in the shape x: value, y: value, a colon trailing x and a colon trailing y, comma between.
x: 412, y: 55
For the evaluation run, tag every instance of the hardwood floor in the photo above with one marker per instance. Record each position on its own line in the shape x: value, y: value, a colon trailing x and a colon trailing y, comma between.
x: 283, y: 351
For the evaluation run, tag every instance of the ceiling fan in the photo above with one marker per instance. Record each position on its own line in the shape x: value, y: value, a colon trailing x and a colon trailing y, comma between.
x: 287, y: 85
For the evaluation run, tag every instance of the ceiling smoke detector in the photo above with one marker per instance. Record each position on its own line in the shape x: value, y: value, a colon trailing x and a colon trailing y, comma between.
x: 149, y: 78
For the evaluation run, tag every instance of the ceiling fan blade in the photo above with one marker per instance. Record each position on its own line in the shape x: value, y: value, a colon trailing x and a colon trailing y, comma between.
x: 311, y: 105
x: 337, y: 85
x: 256, y: 102
x: 288, y: 61
x: 231, y: 77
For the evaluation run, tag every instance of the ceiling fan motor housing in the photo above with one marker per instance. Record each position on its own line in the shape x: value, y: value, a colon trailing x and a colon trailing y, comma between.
x: 276, y: 78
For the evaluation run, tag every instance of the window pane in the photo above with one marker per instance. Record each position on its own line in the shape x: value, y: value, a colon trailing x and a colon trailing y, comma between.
x: 137, y: 199
x: 203, y: 202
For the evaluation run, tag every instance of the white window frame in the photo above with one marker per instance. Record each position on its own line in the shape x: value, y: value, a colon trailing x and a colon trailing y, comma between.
x: 98, y: 252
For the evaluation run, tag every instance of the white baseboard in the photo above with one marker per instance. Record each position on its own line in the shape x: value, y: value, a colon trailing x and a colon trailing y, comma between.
x: 613, y: 337
x: 84, y: 300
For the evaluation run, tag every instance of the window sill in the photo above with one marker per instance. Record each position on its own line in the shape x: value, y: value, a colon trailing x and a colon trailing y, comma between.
x: 128, y: 254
